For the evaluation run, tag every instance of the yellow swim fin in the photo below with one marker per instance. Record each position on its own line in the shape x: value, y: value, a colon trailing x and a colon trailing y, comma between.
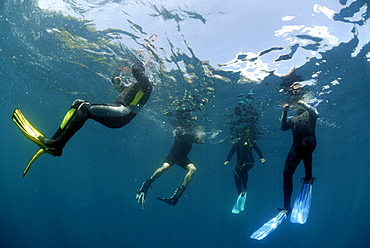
x: 31, y: 133
x: 37, y: 154
x: 27, y: 129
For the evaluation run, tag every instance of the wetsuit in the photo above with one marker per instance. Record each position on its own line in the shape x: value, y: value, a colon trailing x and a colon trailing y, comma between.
x: 304, y: 143
x: 245, y: 161
x: 114, y: 115
x: 181, y: 148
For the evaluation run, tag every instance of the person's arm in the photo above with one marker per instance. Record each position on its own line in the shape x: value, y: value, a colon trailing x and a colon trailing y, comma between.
x: 231, y: 154
x: 259, y: 152
x: 140, y: 91
x: 309, y: 108
x: 138, y: 71
x: 284, y: 124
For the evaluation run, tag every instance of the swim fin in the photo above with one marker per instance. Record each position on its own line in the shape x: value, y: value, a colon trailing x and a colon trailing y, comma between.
x: 239, y: 204
x: 34, y: 157
x: 270, y: 226
x: 141, y: 195
x: 302, y: 204
x: 32, y: 134
x: 175, y: 197
x: 27, y: 129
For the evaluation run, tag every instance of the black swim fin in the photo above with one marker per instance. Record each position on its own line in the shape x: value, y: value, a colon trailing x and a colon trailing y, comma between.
x: 175, y: 198
x: 141, y: 195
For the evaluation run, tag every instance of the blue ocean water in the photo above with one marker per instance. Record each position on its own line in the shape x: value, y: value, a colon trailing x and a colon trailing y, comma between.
x: 53, y: 52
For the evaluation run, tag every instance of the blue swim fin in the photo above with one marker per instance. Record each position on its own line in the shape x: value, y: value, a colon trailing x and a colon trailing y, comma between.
x: 302, y: 204
x: 270, y: 226
x: 239, y: 204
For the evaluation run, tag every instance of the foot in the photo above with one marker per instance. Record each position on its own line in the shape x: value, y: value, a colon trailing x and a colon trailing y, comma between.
x: 175, y: 198
x: 243, y: 192
x: 50, y: 147
x: 308, y: 180
x: 289, y: 210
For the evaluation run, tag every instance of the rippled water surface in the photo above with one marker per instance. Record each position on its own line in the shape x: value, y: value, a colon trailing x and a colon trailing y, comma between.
x: 213, y: 54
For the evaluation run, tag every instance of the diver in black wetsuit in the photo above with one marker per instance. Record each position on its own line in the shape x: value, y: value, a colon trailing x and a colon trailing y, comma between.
x: 184, y: 139
x: 114, y: 115
x: 304, y: 143
x: 245, y: 161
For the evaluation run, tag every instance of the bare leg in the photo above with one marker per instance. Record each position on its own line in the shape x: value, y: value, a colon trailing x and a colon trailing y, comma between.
x: 180, y: 190
x: 159, y: 172
x: 189, y: 176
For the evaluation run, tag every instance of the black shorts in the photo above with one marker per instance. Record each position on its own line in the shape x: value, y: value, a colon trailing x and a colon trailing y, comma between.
x: 183, y: 162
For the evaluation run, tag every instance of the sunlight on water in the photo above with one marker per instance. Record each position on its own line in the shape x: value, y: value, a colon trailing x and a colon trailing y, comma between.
x: 228, y: 67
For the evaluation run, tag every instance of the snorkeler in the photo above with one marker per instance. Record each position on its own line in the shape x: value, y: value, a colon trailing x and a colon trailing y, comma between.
x: 304, y: 143
x: 245, y: 161
x: 115, y: 115
x: 184, y: 139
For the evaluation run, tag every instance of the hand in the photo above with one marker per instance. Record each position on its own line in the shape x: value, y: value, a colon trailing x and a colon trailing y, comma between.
x: 300, y: 102
x: 286, y: 105
x: 262, y: 160
x: 226, y: 163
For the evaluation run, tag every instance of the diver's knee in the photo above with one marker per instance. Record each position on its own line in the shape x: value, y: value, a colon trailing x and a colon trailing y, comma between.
x: 192, y: 169
x: 77, y: 103
x: 165, y: 166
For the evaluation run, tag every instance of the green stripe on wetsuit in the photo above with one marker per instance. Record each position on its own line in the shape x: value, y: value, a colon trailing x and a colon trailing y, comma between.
x: 67, y: 117
x: 138, y: 97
